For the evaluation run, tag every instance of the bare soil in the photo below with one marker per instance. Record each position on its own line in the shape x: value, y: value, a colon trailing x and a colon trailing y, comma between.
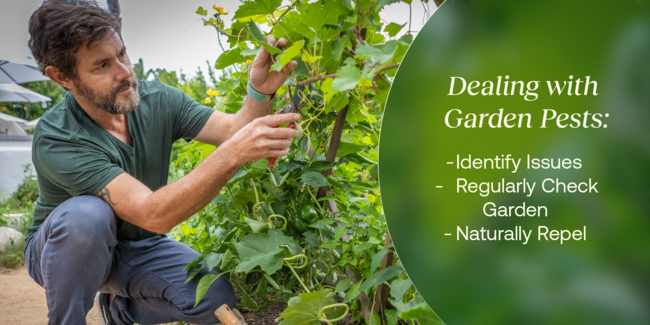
x: 22, y: 301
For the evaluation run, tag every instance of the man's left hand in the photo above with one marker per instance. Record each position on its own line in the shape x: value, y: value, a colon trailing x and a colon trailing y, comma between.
x: 260, y: 78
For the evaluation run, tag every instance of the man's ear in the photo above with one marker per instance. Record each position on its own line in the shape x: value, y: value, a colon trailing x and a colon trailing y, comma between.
x: 57, y: 76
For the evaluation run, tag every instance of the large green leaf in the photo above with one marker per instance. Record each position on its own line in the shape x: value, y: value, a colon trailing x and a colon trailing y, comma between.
x: 380, y: 277
x: 315, y: 15
x: 229, y: 58
x: 265, y: 251
x: 313, y: 178
x: 304, y: 309
x: 346, y: 78
x: 259, y: 7
x: 346, y: 148
x: 367, y: 51
x: 204, y: 285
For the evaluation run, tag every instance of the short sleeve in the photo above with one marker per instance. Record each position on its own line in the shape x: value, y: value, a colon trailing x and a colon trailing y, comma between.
x: 189, y: 116
x: 77, y: 168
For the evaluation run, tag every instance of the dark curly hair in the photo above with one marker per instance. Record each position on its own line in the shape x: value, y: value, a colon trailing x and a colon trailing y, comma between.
x: 58, y: 28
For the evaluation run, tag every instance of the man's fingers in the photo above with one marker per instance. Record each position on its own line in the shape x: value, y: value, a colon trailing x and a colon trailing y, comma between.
x: 278, y: 153
x: 282, y: 133
x: 290, y: 67
x: 281, y: 43
x: 279, y: 144
x: 270, y: 38
x: 275, y: 120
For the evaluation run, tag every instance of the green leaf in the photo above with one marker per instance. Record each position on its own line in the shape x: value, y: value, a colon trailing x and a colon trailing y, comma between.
x: 247, y: 301
x: 315, y: 15
x: 342, y: 285
x: 338, y: 46
x: 374, y: 319
x: 380, y: 277
x: 308, y: 58
x: 265, y: 251
x: 311, y: 238
x: 399, y: 287
x: 382, y: 3
x: 257, y: 226
x: 336, y: 100
x: 367, y: 51
x: 255, y: 32
x: 346, y: 148
x: 346, y: 78
x: 202, y: 11
x: 212, y: 260
x: 304, y: 308
x: 392, y: 29
x: 227, y: 257
x: 204, y: 285
x: 376, y: 260
x: 353, y: 293
x: 260, y: 166
x: 193, y: 271
x: 313, y: 178
x: 330, y: 244
x: 288, y: 55
x: 391, y: 316
x: 194, y: 262
x: 362, y: 247
x: 229, y: 58
x: 259, y: 7
x: 416, y: 309
x: 339, y: 232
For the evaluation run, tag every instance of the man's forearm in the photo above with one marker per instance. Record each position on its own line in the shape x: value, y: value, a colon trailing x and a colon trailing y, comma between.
x: 178, y: 201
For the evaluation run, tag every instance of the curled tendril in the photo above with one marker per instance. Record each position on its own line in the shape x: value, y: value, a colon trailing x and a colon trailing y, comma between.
x: 329, y: 321
x: 287, y: 261
x: 278, y: 216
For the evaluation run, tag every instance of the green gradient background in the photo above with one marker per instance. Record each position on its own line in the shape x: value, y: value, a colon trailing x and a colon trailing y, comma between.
x: 604, y: 280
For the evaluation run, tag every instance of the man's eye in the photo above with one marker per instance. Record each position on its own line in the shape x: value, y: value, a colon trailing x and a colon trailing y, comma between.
x: 103, y: 66
x: 123, y: 55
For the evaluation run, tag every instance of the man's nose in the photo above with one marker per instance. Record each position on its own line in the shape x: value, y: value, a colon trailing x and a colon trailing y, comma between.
x: 122, y: 72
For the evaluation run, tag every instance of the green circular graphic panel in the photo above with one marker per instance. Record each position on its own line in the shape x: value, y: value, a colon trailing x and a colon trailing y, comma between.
x: 514, y: 162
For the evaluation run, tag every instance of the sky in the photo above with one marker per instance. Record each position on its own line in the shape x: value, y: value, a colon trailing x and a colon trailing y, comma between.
x: 164, y: 33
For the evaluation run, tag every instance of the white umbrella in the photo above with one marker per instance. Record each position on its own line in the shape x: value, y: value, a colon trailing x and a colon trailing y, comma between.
x: 31, y: 124
x: 15, y: 93
x: 19, y: 73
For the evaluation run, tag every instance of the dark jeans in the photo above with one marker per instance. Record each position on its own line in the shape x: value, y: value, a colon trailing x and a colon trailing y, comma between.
x: 75, y: 254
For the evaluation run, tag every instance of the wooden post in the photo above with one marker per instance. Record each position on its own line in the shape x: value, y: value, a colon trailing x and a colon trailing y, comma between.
x: 331, y: 157
x: 381, y: 293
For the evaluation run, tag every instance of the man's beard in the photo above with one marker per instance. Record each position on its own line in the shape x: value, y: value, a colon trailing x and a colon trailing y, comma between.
x: 109, y: 101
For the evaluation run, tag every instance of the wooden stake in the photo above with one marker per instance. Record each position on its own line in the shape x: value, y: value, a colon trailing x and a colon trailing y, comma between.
x: 381, y: 294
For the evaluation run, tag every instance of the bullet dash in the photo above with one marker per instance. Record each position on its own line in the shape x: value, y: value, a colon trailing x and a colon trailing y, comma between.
x: 439, y: 186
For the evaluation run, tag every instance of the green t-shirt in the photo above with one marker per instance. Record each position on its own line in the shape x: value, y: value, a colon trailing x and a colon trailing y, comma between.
x: 73, y: 155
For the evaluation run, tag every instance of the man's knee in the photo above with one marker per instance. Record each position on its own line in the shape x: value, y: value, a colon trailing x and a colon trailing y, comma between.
x: 86, y: 218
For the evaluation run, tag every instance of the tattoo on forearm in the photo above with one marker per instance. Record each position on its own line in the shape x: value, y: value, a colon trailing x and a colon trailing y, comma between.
x: 106, y: 195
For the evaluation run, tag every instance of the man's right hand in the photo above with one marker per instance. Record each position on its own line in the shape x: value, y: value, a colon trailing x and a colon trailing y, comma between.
x: 261, y: 138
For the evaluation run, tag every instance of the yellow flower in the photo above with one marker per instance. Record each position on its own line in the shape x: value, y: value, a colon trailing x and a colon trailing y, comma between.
x: 212, y: 92
x: 249, y: 62
x: 208, y: 100
x: 220, y: 10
